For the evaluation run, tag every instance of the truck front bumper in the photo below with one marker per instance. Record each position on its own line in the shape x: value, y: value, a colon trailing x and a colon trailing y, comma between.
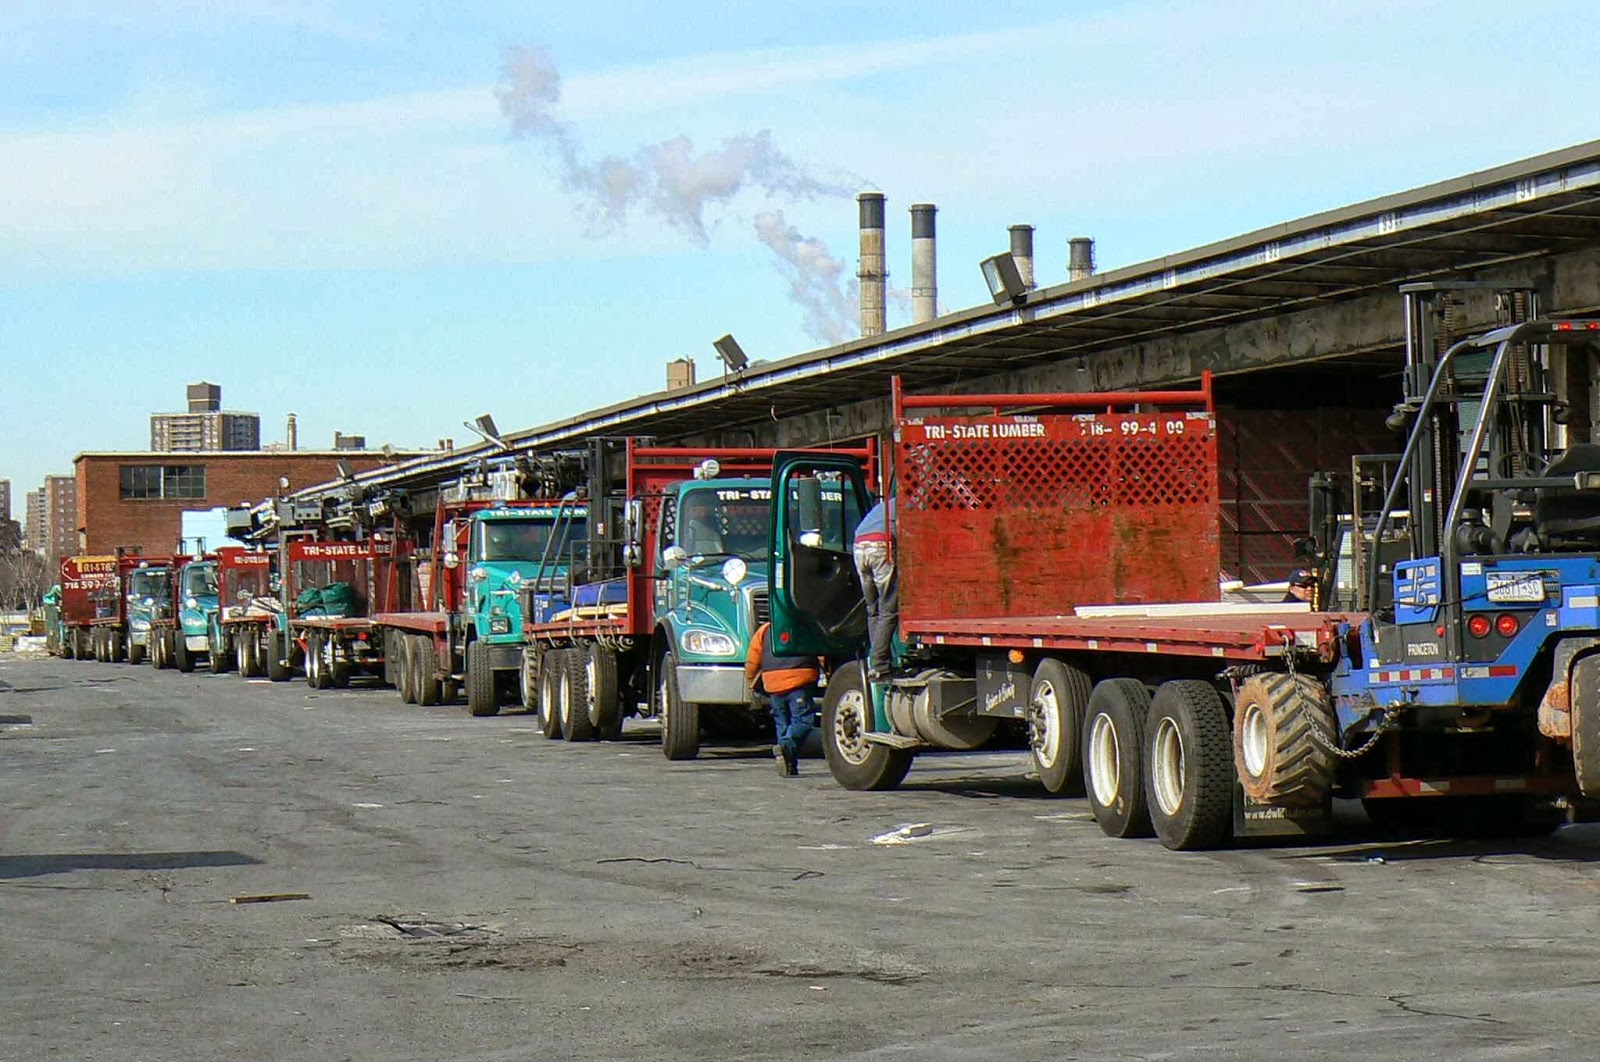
x: 197, y: 643
x: 712, y: 684
x: 506, y: 657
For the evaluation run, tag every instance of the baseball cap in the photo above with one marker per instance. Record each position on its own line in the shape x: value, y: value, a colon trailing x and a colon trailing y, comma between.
x: 1302, y: 577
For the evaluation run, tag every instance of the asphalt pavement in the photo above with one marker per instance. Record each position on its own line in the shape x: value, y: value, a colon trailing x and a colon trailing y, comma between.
x: 419, y: 884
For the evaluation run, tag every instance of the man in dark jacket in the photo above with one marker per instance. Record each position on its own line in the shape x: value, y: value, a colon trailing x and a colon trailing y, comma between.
x: 789, y: 683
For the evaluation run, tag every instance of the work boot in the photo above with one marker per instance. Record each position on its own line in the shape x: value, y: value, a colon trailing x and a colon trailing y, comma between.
x: 787, y: 762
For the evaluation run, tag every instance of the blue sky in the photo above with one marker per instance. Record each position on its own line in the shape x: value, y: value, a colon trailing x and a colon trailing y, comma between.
x: 320, y: 204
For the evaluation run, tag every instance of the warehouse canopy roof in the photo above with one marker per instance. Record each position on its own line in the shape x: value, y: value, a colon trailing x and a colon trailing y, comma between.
x: 1538, y: 206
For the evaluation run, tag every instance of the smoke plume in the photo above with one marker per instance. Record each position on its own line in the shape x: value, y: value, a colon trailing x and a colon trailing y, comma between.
x: 678, y: 184
x: 670, y: 179
x: 814, y: 276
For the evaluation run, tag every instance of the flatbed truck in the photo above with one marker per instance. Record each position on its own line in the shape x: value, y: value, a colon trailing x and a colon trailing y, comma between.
x: 1057, y: 563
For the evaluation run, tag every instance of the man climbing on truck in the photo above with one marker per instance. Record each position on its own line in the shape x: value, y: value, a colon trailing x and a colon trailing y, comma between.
x: 874, y: 558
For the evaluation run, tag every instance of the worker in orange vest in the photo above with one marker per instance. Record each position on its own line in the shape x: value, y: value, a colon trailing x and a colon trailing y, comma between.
x: 789, y: 684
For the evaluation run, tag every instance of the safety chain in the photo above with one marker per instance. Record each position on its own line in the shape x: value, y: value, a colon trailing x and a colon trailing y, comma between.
x: 1390, y: 715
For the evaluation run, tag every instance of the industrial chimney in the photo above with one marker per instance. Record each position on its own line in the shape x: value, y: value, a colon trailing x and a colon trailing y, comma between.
x: 1022, y: 253
x: 874, y: 277
x: 1080, y: 257
x: 924, y: 263
x: 289, y: 436
x: 680, y: 374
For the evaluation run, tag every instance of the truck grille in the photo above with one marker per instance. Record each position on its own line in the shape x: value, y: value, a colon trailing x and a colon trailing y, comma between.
x: 759, y: 610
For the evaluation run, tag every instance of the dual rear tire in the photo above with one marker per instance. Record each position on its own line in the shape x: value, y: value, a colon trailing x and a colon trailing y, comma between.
x: 1160, y: 764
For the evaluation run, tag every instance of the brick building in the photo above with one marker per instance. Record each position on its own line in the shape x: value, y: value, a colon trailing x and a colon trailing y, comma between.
x: 137, y: 499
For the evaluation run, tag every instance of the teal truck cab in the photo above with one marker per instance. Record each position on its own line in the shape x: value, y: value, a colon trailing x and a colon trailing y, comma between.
x: 676, y: 588
x: 195, y: 599
x: 485, y: 553
x: 149, y: 595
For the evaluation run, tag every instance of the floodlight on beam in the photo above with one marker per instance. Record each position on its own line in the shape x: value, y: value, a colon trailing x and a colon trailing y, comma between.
x: 731, y: 353
x: 1004, y: 279
x: 483, y: 425
x: 346, y: 472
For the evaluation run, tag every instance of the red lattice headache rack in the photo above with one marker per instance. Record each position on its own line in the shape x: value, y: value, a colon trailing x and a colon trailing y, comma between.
x: 1031, y: 505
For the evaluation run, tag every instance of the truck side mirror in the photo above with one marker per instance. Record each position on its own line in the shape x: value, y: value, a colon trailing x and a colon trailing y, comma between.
x: 452, y: 559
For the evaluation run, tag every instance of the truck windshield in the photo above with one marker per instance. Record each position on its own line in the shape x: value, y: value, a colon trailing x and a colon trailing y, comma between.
x: 725, y: 520
x: 149, y: 582
x: 199, y: 582
x: 521, y: 540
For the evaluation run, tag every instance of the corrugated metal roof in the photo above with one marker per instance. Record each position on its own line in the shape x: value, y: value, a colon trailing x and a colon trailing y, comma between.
x: 1538, y: 206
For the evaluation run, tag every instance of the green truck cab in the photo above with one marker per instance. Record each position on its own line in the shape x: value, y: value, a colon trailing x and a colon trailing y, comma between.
x: 195, y: 602
x: 710, y: 596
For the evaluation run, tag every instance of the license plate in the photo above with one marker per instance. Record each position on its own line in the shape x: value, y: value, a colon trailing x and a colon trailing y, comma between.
x: 1507, y: 588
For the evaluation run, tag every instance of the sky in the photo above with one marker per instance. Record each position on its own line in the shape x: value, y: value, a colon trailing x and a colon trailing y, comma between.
x: 389, y: 216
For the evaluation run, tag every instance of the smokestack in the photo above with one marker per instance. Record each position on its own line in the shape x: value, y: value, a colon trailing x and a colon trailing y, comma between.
x: 924, y: 263
x: 1022, y: 253
x: 1080, y: 257
x: 290, y: 437
x: 874, y: 277
x: 680, y: 374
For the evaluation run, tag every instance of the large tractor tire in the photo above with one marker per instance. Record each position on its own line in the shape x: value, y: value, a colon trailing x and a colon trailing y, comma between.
x: 135, y: 653
x: 855, y: 762
x: 158, y: 650
x: 1113, y: 757
x: 482, y: 696
x: 1056, y: 702
x: 425, y: 684
x: 318, y: 674
x: 1584, y: 694
x: 550, y: 665
x: 601, y: 703
x: 575, y: 722
x: 1282, y: 727
x: 1188, y: 764
x: 219, y: 658
x: 680, y: 719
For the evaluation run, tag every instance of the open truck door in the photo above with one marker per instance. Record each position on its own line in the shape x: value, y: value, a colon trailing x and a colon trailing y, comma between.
x: 816, y: 602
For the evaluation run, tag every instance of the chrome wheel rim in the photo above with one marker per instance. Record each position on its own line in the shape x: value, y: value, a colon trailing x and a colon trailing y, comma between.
x: 1105, y: 761
x: 1167, y: 768
x: 849, y: 727
x: 1044, y: 726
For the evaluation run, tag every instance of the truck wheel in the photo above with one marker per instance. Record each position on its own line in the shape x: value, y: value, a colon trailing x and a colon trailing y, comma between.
x: 218, y: 657
x: 84, y: 643
x: 601, y: 681
x: 1277, y: 721
x: 528, y: 679
x: 1189, y: 766
x: 317, y: 676
x: 855, y: 762
x: 1113, y: 756
x: 680, y: 719
x: 425, y: 686
x: 481, y: 699
x: 550, y: 693
x: 280, y: 660
x: 1585, y: 702
x: 1055, y: 716
x: 158, y: 649
x: 339, y: 668
x: 399, y: 664
x: 182, y: 659
x: 119, y: 647
x: 257, y: 646
x: 135, y: 652
x: 575, y: 722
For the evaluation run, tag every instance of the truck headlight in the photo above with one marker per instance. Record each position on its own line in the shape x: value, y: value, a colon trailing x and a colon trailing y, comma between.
x: 190, y: 602
x: 707, y: 643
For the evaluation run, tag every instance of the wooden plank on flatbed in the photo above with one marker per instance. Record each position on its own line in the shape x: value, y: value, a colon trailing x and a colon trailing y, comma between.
x: 417, y: 622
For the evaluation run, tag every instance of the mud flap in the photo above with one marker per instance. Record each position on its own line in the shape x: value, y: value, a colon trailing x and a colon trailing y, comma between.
x: 1251, y: 819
